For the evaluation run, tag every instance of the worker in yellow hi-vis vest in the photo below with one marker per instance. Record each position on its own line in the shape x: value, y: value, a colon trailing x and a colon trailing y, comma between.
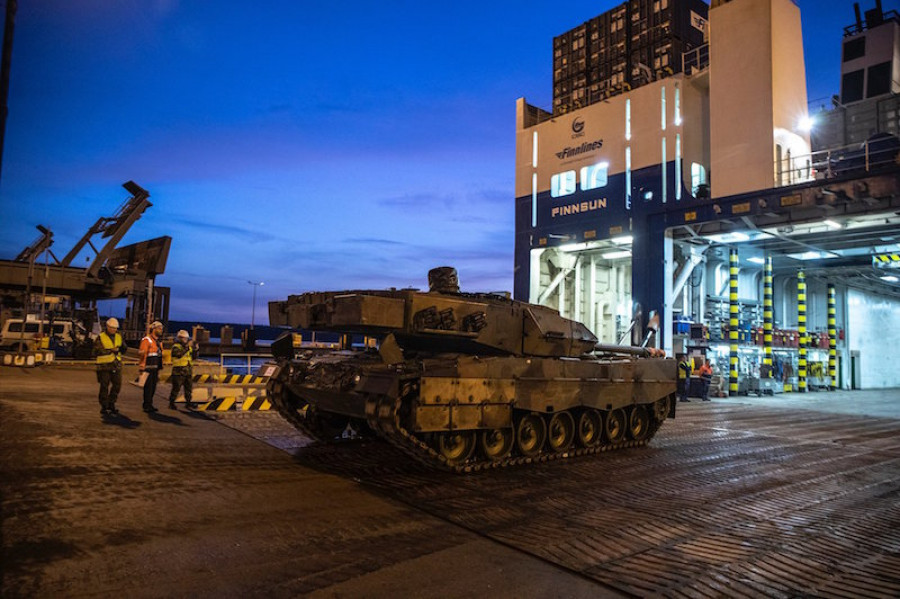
x: 109, y: 348
x: 182, y: 358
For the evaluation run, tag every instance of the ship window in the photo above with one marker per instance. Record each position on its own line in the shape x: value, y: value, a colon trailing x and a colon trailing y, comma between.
x: 594, y: 176
x: 677, y: 107
x: 562, y: 184
x: 628, y: 119
x: 678, y: 166
x: 665, y: 177
x: 879, y: 80
x: 698, y: 177
x: 852, y: 86
x: 628, y: 177
x: 662, y: 92
x: 15, y: 327
x: 854, y: 49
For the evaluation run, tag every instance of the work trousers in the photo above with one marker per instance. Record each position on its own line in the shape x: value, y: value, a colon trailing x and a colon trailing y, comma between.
x: 683, y: 389
x: 181, y: 381
x: 110, y: 380
x: 150, y: 387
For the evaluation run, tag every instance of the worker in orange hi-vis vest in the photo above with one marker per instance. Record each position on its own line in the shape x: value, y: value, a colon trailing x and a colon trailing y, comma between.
x: 151, y: 363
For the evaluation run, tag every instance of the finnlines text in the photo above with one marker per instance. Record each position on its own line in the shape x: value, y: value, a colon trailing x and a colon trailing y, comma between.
x: 588, y: 146
x: 578, y: 208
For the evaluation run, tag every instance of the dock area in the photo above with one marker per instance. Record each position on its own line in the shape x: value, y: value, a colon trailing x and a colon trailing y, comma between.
x: 174, y: 504
x: 747, y: 497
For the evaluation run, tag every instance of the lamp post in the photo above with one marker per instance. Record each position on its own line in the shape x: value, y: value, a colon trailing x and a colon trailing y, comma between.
x: 253, y: 313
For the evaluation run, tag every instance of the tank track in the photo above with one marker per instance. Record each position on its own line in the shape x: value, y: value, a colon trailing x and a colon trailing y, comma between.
x: 278, y: 395
x: 383, y: 414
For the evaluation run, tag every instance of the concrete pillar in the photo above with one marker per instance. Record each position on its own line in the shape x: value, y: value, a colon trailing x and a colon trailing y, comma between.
x: 832, y: 338
x: 801, y: 330
x: 733, y: 311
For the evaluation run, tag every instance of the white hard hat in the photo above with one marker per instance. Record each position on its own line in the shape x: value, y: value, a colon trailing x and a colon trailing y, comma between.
x: 156, y: 325
x: 182, y: 334
x: 112, y: 322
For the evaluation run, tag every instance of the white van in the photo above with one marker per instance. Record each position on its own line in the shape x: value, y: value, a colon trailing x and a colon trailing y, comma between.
x: 64, y: 334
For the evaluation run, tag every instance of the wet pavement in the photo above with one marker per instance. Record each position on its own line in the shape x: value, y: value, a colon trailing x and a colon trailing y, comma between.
x: 749, y: 497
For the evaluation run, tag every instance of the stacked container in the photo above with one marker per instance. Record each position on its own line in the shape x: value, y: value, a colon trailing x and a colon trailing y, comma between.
x: 630, y: 45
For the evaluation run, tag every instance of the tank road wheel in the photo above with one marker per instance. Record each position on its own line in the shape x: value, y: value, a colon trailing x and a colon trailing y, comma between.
x: 456, y: 447
x: 561, y: 432
x: 496, y: 444
x: 661, y: 409
x: 531, y: 432
x: 590, y: 428
x: 615, y: 426
x: 638, y: 423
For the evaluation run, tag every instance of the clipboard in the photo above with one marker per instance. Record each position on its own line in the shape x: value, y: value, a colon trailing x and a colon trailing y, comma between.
x: 141, y: 380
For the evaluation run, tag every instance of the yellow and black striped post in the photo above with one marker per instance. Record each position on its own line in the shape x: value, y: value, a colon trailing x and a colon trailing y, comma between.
x: 733, y: 309
x: 801, y: 329
x: 767, y: 316
x: 832, y: 338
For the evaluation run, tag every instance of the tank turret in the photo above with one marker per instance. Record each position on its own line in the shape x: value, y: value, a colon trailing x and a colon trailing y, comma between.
x: 440, y: 320
x: 465, y: 380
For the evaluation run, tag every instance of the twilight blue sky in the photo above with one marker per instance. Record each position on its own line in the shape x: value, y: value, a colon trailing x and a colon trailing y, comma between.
x: 309, y: 145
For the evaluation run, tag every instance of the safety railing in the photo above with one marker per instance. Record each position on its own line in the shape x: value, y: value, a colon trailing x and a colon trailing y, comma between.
x: 695, y: 60
x: 880, y: 152
x: 242, y: 363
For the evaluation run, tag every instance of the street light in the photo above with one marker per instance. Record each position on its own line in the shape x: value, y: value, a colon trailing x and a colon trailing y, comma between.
x: 253, y: 313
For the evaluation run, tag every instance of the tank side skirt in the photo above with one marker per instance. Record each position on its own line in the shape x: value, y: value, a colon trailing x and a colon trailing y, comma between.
x: 385, y: 414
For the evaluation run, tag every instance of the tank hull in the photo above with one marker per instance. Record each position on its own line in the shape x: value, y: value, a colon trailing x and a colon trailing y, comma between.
x: 466, y: 413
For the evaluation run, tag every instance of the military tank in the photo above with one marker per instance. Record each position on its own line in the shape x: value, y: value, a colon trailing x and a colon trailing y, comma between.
x: 465, y: 381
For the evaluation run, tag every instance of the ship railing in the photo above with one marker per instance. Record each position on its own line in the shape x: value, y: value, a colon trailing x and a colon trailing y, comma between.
x: 879, y: 152
x: 695, y: 60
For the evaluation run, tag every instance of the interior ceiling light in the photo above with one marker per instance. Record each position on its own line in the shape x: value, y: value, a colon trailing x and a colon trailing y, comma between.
x: 813, y: 255
x: 622, y: 240
x: 737, y: 236
x: 578, y: 247
x: 832, y: 224
x: 756, y: 260
x: 616, y: 255
x: 890, y: 278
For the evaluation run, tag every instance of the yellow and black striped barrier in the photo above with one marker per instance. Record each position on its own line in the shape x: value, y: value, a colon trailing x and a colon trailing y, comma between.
x: 246, y: 403
x: 227, y: 392
x: 224, y: 379
x: 886, y: 260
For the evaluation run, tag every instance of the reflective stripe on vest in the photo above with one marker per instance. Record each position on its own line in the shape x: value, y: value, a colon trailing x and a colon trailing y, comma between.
x: 109, y: 344
x: 184, y: 360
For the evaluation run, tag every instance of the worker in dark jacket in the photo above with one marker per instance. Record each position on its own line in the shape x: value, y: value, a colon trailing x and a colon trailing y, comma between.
x: 109, y: 348
x: 182, y: 371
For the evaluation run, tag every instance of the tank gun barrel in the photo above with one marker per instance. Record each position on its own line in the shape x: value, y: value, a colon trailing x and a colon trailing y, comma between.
x: 642, y: 352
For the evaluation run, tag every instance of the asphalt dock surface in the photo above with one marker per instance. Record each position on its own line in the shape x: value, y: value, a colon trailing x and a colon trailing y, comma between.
x: 771, y: 497
x: 174, y: 504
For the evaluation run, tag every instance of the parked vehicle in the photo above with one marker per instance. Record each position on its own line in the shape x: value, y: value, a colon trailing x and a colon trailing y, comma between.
x: 65, y: 337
